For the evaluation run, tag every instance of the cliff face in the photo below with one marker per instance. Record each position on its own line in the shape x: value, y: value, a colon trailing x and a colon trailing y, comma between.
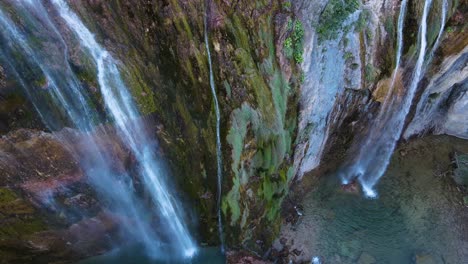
x: 349, y: 63
x: 297, y: 82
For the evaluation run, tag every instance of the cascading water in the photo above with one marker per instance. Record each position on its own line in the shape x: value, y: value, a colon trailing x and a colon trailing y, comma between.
x: 443, y: 17
x: 66, y: 93
x: 218, y: 136
x: 424, y: 109
x: 122, y: 109
x: 401, y: 21
x: 80, y: 119
x: 374, y: 155
x: 96, y: 165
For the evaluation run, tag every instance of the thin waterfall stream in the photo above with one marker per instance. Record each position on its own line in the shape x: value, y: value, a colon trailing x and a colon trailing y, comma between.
x: 376, y: 151
x: 423, y: 109
x: 401, y: 21
x: 219, y: 164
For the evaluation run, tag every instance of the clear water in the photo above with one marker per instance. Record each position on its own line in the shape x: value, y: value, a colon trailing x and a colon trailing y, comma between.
x: 418, y: 212
x: 134, y: 255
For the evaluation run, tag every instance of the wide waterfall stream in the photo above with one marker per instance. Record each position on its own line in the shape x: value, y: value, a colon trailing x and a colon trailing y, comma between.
x: 67, y: 93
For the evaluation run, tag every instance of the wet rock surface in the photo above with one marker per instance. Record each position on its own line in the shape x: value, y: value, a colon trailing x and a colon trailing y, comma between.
x: 48, y: 210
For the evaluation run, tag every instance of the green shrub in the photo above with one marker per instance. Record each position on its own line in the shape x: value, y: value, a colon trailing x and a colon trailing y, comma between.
x: 294, y: 44
x: 288, y: 47
x: 333, y: 16
x: 371, y: 73
x: 348, y: 56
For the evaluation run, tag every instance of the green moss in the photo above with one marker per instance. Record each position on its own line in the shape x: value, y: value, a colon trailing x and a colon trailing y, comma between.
x: 142, y: 93
x: 370, y: 73
x: 18, y: 218
x: 361, y: 23
x: 231, y: 202
x: 288, y: 47
x: 6, y: 195
x: 348, y: 56
x: 228, y: 88
x: 389, y: 26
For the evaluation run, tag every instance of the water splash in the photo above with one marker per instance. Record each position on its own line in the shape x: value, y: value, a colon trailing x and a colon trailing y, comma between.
x: 315, y: 260
x: 218, y: 136
x: 374, y: 155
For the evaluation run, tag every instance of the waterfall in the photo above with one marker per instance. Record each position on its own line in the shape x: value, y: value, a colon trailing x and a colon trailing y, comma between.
x: 61, y: 88
x: 218, y: 136
x: 424, y: 110
x: 401, y: 21
x: 119, y: 103
x: 374, y: 155
x: 97, y: 166
x: 67, y: 94
x: 443, y: 17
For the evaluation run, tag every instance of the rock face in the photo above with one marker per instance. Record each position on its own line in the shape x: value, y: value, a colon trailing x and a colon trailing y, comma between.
x: 349, y: 61
x: 48, y: 211
x: 443, y: 105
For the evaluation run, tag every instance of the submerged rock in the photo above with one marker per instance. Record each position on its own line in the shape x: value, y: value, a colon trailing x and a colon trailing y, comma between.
x: 425, y: 259
x: 366, y: 258
x: 241, y: 257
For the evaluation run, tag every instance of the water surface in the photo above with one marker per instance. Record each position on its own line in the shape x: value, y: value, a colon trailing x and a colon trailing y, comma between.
x: 136, y: 255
